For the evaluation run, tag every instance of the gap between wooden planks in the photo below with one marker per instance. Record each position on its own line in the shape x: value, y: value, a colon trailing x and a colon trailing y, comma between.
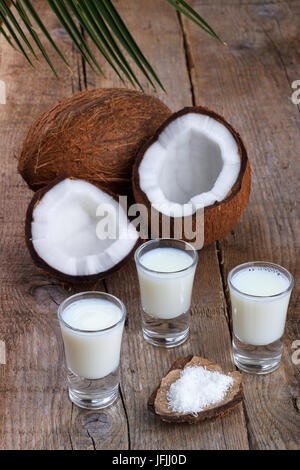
x: 42, y: 416
x: 252, y: 86
x: 249, y: 82
x: 34, y: 408
x: 209, y: 309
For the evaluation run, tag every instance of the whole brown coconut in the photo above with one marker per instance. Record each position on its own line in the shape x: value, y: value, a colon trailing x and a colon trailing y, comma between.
x: 94, y: 135
x: 220, y: 216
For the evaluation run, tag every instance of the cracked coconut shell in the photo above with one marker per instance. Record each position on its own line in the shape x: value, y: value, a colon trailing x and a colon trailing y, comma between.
x: 220, y: 215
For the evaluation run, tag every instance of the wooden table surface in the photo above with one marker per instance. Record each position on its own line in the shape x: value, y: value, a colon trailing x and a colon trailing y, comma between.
x: 250, y: 83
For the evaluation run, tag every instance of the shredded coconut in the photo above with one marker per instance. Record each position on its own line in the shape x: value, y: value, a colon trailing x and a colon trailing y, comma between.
x: 196, y: 389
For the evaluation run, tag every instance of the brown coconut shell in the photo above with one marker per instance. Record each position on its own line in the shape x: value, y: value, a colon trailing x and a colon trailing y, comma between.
x: 93, y: 135
x: 220, y: 217
x: 158, y: 402
x: 45, y: 267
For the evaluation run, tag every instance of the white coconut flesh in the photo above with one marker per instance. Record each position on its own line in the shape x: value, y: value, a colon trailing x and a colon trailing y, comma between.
x: 194, y: 163
x: 66, y: 234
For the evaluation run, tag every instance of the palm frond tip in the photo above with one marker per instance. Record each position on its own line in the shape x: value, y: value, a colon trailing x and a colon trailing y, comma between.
x: 87, y: 22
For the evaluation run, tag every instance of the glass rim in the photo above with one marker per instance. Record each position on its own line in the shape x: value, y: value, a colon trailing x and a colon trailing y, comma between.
x: 269, y: 264
x: 165, y: 273
x: 76, y: 297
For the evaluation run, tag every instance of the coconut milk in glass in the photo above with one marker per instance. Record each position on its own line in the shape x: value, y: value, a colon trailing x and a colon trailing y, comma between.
x: 166, y: 270
x: 260, y: 294
x: 92, y: 327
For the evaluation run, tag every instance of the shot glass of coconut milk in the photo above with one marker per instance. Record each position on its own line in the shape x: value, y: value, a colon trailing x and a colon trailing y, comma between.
x: 166, y: 270
x: 260, y: 294
x: 92, y: 326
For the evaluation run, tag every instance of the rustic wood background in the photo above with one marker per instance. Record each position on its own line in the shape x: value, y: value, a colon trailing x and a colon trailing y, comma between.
x: 250, y: 83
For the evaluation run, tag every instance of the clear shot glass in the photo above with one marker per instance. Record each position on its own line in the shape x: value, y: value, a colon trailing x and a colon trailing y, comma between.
x: 260, y: 293
x: 165, y: 292
x: 92, y: 349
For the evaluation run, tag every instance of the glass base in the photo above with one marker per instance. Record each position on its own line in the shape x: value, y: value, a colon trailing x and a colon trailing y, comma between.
x: 93, y: 394
x: 256, y: 359
x: 165, y: 341
x: 165, y: 332
x: 259, y: 369
x: 93, y: 403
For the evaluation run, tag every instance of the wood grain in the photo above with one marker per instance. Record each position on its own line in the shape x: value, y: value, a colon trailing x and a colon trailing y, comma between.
x: 145, y: 430
x: 252, y: 86
x: 34, y: 407
x: 250, y: 82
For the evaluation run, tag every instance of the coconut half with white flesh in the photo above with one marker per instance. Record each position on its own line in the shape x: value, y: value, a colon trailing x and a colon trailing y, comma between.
x: 195, y: 160
x: 78, y: 232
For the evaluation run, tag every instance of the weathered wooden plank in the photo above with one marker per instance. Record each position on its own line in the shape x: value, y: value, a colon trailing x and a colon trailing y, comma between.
x: 32, y: 380
x: 158, y: 32
x: 250, y: 82
x: 34, y: 408
x: 143, y: 365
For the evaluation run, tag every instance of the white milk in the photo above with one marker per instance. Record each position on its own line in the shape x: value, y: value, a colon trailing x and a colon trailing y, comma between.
x: 92, y: 355
x: 259, y: 321
x: 166, y: 294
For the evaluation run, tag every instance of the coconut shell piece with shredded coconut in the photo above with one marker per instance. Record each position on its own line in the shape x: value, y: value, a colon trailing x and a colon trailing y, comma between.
x: 158, y: 402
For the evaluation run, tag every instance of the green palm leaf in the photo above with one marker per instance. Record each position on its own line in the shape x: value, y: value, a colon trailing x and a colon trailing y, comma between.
x: 97, y: 19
